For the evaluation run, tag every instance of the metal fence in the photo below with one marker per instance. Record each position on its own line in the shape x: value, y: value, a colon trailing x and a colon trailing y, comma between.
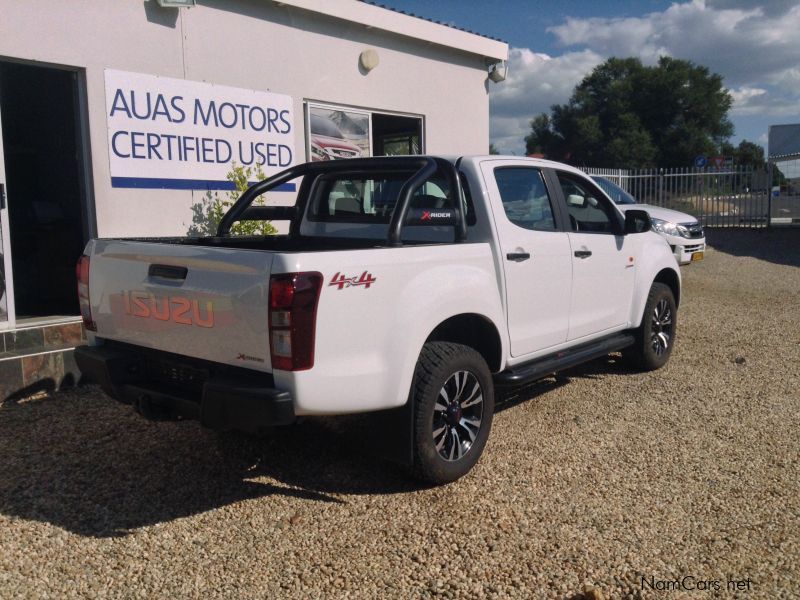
x: 727, y: 197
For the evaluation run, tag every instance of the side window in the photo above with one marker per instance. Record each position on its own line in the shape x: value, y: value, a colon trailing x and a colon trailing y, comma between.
x: 588, y: 210
x: 525, y: 199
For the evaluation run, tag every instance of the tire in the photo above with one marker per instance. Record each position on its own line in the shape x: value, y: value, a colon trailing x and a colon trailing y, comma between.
x: 453, y: 409
x: 655, y: 337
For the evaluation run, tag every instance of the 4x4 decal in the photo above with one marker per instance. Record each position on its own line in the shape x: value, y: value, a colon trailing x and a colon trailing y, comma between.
x: 366, y: 279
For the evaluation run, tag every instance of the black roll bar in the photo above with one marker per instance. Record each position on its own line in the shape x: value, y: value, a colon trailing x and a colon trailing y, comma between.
x: 426, y: 167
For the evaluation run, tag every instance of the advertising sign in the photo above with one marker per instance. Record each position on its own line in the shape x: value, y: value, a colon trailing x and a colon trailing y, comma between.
x: 337, y: 133
x: 179, y: 134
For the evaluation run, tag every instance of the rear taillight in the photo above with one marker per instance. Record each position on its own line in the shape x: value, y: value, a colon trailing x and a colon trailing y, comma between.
x: 82, y: 273
x: 292, y: 319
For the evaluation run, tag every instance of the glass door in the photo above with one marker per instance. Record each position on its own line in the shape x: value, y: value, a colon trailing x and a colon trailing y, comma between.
x: 6, y: 280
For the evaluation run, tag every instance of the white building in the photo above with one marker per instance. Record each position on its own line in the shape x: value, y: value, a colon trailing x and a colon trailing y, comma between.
x: 119, y: 116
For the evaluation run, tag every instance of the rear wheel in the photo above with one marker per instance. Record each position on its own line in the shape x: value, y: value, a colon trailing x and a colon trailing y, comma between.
x: 655, y: 337
x: 454, y: 406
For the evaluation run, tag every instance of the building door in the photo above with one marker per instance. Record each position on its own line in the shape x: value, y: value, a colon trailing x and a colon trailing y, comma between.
x: 45, y: 221
x: 6, y: 279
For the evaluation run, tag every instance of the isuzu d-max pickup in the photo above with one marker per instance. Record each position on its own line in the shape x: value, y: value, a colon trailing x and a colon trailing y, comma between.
x: 407, y: 287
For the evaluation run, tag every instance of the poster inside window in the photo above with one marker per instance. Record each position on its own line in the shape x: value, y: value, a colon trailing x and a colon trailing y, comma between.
x: 337, y: 133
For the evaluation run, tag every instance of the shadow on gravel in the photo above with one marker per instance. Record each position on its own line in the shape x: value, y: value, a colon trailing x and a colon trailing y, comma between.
x: 776, y: 245
x: 89, y: 465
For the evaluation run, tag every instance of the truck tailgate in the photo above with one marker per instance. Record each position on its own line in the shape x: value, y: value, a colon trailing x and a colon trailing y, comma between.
x: 208, y: 303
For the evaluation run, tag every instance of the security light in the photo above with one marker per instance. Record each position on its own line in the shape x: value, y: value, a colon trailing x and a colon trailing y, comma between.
x: 176, y: 3
x: 498, y: 71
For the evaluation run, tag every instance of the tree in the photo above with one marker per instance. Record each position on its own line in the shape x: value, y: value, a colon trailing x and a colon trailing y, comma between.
x: 747, y: 154
x: 493, y: 149
x: 625, y: 114
x: 750, y: 154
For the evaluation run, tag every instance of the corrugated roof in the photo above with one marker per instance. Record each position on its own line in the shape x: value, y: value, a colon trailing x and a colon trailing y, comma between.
x: 410, y: 14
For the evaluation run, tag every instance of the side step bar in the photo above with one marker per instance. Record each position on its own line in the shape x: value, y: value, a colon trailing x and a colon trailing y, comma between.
x: 541, y: 367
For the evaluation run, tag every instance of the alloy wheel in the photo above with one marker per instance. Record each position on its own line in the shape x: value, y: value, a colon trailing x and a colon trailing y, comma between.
x: 457, y: 415
x: 661, y: 330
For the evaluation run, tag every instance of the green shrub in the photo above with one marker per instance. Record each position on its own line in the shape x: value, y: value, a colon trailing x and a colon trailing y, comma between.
x: 207, y: 213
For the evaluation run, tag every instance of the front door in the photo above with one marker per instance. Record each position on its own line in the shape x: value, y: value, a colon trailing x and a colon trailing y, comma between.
x: 6, y: 279
x: 602, y: 262
x: 535, y: 251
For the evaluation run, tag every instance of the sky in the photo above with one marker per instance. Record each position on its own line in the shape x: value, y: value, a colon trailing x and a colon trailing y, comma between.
x: 754, y: 45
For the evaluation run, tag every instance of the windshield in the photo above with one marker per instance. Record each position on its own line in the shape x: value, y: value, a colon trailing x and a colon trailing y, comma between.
x: 615, y: 192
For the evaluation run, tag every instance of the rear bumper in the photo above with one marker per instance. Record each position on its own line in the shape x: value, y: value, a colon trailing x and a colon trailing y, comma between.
x: 220, y: 402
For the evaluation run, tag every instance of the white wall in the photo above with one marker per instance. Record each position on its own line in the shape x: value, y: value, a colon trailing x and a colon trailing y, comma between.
x: 253, y: 44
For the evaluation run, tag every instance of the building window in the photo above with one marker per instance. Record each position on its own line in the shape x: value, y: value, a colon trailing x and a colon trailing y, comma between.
x: 334, y: 132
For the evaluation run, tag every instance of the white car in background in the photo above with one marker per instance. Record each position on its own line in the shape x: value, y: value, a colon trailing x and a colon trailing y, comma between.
x: 683, y: 232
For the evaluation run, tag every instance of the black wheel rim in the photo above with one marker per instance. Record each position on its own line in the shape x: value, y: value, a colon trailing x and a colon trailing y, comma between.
x: 661, y: 330
x: 457, y: 415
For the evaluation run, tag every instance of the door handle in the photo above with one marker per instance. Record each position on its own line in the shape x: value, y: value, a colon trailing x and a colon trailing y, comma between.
x: 518, y: 256
x: 583, y: 253
x: 2, y: 196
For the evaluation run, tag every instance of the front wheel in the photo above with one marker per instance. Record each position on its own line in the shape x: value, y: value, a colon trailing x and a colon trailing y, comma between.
x: 655, y: 337
x: 454, y: 406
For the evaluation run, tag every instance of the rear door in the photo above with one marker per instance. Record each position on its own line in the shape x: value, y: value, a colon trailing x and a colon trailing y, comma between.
x: 208, y: 303
x: 603, y: 263
x: 535, y: 254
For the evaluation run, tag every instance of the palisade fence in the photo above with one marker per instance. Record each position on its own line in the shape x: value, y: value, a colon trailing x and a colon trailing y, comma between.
x: 726, y: 197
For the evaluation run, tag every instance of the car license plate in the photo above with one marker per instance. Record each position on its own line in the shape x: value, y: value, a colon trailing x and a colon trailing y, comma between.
x: 697, y: 256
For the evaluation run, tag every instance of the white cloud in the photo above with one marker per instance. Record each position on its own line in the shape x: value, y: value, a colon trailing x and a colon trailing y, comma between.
x: 755, y: 46
x: 745, y: 98
x: 534, y: 83
x: 738, y: 43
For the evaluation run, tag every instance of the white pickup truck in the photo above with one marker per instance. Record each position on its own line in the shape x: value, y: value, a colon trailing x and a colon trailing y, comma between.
x: 407, y: 287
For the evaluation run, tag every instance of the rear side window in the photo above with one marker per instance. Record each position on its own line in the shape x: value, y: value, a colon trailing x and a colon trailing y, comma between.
x: 339, y: 198
x: 525, y: 198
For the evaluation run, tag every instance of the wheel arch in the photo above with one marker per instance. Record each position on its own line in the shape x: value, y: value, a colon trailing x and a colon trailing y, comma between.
x: 475, y: 331
x: 672, y: 280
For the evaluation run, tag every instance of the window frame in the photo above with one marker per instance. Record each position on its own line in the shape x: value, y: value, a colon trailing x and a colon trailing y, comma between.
x: 310, y: 104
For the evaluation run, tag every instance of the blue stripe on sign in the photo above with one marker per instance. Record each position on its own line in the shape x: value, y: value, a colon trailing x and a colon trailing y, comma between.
x: 185, y: 184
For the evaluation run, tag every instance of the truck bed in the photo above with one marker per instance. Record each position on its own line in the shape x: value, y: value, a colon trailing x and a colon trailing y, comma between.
x: 275, y: 243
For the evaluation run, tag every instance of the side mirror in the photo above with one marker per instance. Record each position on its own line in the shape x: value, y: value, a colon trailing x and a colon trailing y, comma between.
x: 637, y: 221
x: 576, y: 200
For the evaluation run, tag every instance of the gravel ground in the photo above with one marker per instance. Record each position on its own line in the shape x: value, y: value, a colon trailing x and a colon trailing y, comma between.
x: 597, y: 480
